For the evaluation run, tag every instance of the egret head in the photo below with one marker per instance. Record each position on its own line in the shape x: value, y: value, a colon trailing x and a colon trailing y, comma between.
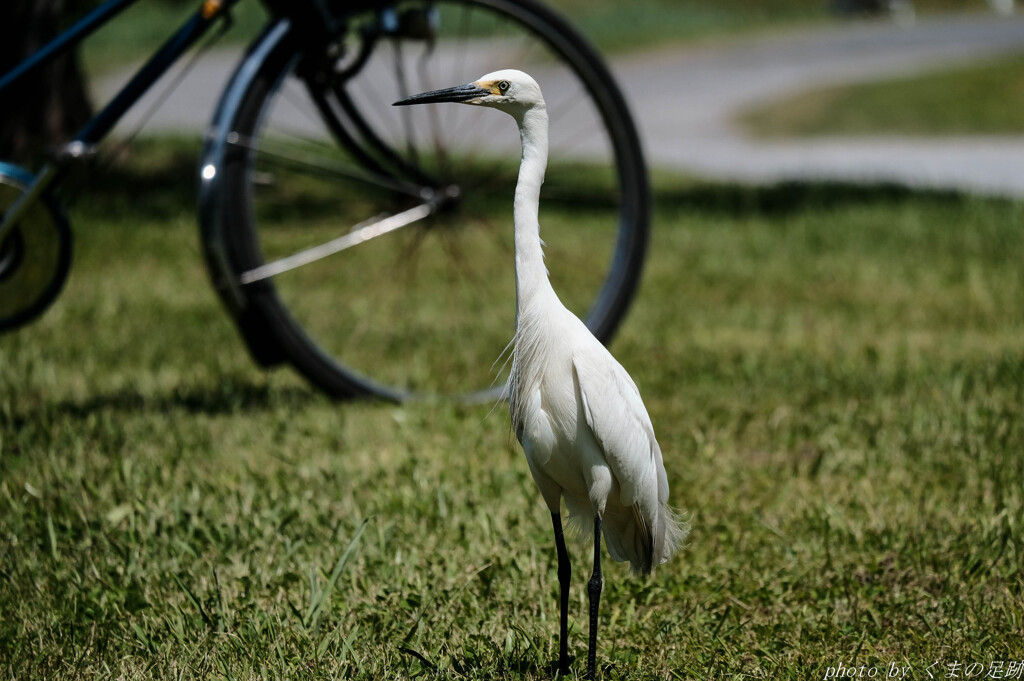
x: 510, y: 90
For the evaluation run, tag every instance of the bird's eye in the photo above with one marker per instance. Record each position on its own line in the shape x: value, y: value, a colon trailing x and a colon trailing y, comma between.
x: 503, y: 86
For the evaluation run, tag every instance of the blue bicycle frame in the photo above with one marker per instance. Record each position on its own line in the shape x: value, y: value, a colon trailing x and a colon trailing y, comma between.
x: 101, y: 124
x: 174, y: 47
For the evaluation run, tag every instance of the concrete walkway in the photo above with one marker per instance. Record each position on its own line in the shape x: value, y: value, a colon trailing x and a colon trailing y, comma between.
x: 685, y: 101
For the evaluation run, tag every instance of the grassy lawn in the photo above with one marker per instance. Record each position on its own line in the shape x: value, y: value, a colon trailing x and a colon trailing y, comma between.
x: 617, y: 26
x: 137, y: 32
x: 644, y: 24
x: 611, y: 25
x: 836, y: 375
x: 979, y: 99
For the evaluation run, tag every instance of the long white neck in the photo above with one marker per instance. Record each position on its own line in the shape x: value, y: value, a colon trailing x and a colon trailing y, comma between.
x: 531, y: 274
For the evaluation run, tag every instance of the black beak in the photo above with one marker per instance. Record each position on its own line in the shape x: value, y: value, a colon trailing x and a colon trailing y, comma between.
x: 459, y: 93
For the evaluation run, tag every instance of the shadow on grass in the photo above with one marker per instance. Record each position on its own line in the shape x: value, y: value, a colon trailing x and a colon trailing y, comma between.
x: 229, y: 396
x: 152, y: 179
x: 788, y: 198
x: 522, y: 664
x: 158, y: 179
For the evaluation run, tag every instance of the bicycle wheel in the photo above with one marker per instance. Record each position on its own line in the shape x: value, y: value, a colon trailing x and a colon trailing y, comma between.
x: 35, y: 257
x: 376, y: 242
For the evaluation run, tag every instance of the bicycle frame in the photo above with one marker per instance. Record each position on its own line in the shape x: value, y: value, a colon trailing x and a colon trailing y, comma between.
x: 311, y: 54
x: 101, y: 124
x: 312, y: 15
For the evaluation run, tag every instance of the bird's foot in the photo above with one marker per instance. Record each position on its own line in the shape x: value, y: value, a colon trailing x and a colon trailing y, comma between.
x: 606, y: 670
x: 561, y: 667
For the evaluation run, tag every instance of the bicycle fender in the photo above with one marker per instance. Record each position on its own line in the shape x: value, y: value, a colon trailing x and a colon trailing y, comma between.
x: 214, y: 222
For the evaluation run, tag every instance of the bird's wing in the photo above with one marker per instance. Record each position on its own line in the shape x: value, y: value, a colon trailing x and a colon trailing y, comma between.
x: 621, y: 426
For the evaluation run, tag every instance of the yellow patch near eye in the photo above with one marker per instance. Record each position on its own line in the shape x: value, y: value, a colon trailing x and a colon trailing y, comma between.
x: 491, y: 86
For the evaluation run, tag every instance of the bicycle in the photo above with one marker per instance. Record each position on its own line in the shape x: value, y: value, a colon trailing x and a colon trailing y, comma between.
x: 320, y: 205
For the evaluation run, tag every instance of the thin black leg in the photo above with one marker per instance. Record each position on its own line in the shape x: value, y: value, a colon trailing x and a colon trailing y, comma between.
x: 594, y: 591
x: 564, y: 575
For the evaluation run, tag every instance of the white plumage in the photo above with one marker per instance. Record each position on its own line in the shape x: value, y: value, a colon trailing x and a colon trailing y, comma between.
x: 586, y: 434
x: 577, y: 413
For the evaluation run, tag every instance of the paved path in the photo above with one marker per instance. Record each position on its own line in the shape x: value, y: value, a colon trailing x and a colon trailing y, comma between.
x: 685, y: 100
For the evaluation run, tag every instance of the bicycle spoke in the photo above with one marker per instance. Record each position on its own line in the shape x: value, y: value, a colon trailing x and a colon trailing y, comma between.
x: 360, y: 234
x: 322, y: 164
x: 428, y: 308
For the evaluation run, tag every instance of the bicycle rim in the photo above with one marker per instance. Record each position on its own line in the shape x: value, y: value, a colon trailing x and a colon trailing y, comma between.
x: 35, y: 258
x: 423, y: 304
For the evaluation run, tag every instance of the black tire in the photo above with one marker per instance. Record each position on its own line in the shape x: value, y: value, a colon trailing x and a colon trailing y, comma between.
x: 316, y: 147
x: 35, y: 257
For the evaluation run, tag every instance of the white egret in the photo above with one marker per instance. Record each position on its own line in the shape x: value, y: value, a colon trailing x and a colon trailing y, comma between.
x: 577, y: 413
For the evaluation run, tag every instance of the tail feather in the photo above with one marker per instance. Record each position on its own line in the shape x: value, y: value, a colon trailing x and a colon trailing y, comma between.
x: 630, y: 534
x: 670, y: 532
x: 645, y: 544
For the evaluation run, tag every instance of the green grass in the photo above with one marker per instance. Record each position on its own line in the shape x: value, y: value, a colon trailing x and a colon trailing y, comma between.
x: 611, y: 25
x: 136, y: 33
x: 979, y: 99
x: 618, y: 26
x: 836, y: 375
x: 646, y: 24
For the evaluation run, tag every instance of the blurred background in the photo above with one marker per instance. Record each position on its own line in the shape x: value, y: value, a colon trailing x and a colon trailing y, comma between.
x: 732, y: 89
x: 829, y: 337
